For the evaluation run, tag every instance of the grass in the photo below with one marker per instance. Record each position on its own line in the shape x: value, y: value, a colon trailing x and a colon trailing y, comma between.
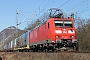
x: 45, y: 56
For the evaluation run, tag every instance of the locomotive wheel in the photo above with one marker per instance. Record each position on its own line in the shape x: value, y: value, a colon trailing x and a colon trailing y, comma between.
x: 76, y: 47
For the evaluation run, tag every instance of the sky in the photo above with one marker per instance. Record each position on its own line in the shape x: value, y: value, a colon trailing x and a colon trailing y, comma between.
x: 28, y: 10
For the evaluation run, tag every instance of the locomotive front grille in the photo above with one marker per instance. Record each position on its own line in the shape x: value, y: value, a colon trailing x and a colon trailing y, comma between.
x: 58, y: 41
x: 66, y: 42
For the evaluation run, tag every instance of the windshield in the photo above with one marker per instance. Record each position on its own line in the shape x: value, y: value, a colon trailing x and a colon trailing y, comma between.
x: 63, y: 23
x: 58, y: 23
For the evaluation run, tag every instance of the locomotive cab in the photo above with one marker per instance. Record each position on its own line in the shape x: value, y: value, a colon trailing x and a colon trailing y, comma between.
x: 63, y: 32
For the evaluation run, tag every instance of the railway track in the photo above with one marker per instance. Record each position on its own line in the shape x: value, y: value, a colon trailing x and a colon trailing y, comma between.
x: 3, y: 53
x: 79, y: 51
x: 60, y: 55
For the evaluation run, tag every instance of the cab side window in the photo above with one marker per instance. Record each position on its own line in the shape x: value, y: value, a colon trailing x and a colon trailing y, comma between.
x: 48, y: 25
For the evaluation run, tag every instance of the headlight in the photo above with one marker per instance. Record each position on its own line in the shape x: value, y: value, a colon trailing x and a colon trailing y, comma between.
x: 71, y: 36
x: 57, y: 37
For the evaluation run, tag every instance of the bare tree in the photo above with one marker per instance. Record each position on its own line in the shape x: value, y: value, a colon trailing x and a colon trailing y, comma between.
x: 83, y: 34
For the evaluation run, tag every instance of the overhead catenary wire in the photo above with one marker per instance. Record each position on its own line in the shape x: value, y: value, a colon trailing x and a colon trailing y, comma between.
x: 48, y: 3
x: 34, y: 13
x: 84, y: 10
x: 78, y: 5
x: 64, y: 3
x: 43, y: 8
x: 40, y: 11
x: 39, y: 7
x: 29, y: 15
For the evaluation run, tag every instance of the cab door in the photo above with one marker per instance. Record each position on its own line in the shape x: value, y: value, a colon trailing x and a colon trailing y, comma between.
x: 47, y: 30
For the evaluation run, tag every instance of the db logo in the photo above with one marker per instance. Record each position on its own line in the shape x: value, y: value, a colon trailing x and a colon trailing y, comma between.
x: 64, y: 31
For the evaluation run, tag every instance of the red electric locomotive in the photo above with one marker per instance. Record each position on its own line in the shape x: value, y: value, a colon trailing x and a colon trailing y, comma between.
x: 56, y: 33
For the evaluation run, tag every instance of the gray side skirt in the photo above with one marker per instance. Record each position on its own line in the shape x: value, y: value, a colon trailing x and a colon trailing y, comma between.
x: 41, y: 42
